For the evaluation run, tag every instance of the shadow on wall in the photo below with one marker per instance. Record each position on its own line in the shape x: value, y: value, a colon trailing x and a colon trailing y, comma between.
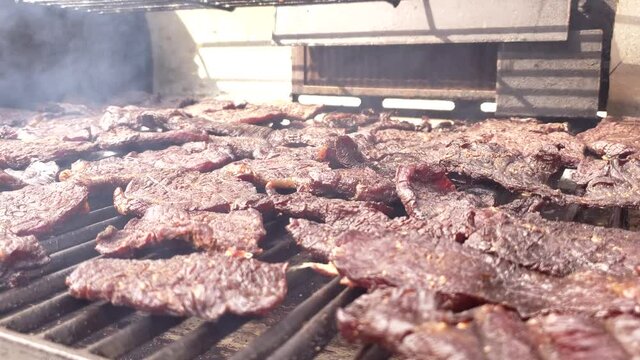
x: 56, y: 55
x: 176, y: 58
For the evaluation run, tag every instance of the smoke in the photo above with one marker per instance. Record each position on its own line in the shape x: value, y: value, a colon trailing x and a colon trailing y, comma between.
x: 60, y: 55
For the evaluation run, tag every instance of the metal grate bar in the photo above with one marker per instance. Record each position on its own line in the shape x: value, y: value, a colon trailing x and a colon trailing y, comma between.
x: 200, y: 339
x: 280, y: 333
x: 92, y: 318
x: 315, y: 334
x: 38, y: 315
x: 136, y: 334
x: 79, y: 236
x: 37, y: 290
x: 374, y: 352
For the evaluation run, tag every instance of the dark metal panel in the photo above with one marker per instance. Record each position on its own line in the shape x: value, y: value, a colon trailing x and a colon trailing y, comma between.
x: 438, y: 71
x: 550, y: 79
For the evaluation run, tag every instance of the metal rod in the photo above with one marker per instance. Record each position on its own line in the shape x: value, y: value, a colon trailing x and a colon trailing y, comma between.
x: 316, y: 333
x: 135, y: 334
x: 94, y: 317
x: 280, y: 333
x: 80, y: 236
x: 39, y: 315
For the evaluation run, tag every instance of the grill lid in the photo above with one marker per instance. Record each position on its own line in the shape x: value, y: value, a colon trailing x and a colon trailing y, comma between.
x: 122, y: 6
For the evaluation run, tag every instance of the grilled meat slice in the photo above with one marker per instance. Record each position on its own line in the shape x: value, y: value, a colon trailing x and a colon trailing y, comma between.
x: 426, y: 193
x: 325, y: 210
x: 208, y: 106
x: 9, y: 182
x: 137, y: 118
x: 341, y: 152
x: 219, y: 128
x: 297, y: 111
x: 250, y: 114
x: 614, y: 138
x: 15, y: 117
x: 300, y: 136
x: 119, y: 171
x: 287, y: 172
x: 574, y: 337
x: 350, y: 121
x: 553, y: 247
x: 18, y: 253
x: 202, y: 285
x: 38, y: 209
x: 119, y: 138
x: 386, y: 315
x: 413, y: 324
x: 191, y: 191
x: 239, y: 230
x: 38, y: 173
x: 244, y: 147
x: 67, y: 128
x: 526, y: 239
x: 17, y: 154
x: 422, y: 262
x: 612, y: 180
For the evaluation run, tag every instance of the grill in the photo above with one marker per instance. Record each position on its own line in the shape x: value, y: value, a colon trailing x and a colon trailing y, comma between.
x: 119, y: 6
x: 40, y: 320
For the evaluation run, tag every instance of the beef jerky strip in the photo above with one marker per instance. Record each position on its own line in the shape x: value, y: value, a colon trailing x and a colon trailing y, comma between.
x: 219, y: 128
x: 38, y: 173
x: 614, y: 138
x: 426, y: 192
x: 191, y: 191
x: 421, y: 262
x: 202, y: 285
x: 302, y: 136
x: 137, y: 118
x: 15, y: 117
x: 18, y: 253
x: 17, y: 154
x: 574, y: 337
x: 9, y: 182
x: 556, y: 248
x: 123, y: 137
x: 348, y: 121
x: 119, y: 171
x: 208, y: 106
x: 386, y: 315
x: 613, y: 182
x: 68, y: 128
x: 341, y: 152
x: 238, y: 230
x: 297, y: 111
x: 244, y: 147
x: 420, y: 328
x: 521, y: 156
x: 38, y: 209
x: 325, y: 210
x: 285, y: 172
x: 250, y: 114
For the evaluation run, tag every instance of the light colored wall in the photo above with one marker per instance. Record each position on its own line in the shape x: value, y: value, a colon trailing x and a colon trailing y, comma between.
x: 624, y: 90
x: 214, y: 52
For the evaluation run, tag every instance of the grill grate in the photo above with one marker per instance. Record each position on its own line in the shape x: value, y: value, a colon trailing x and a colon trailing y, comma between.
x: 41, y: 320
x: 121, y: 6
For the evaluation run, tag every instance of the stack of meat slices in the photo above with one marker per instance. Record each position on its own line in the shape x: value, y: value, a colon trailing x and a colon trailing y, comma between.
x: 445, y: 226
